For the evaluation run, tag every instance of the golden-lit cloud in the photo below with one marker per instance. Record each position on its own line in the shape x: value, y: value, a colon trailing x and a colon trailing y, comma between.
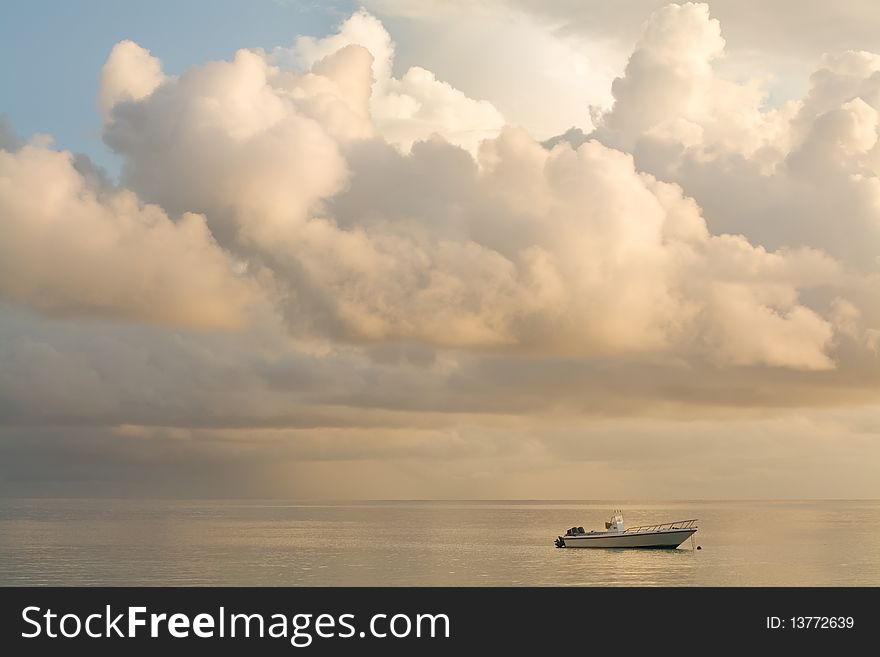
x: 410, y: 279
x: 558, y: 251
x: 69, y: 248
x: 412, y: 107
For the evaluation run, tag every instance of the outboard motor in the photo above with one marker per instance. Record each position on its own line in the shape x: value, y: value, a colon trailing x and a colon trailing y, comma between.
x: 560, y: 543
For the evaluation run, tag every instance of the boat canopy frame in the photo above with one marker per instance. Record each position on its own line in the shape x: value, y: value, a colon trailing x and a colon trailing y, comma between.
x: 665, y: 526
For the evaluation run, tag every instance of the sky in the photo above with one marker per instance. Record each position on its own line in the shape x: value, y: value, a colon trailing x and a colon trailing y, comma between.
x: 440, y: 250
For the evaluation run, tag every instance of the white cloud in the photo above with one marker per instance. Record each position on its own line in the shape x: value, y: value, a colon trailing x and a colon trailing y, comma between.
x: 130, y: 73
x: 669, y: 91
x: 411, y: 107
x: 67, y: 248
x: 250, y: 146
x: 403, y: 300
x: 562, y: 252
x: 804, y: 173
x: 538, y: 74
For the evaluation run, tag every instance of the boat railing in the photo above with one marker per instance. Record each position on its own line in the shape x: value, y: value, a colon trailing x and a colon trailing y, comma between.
x: 665, y: 526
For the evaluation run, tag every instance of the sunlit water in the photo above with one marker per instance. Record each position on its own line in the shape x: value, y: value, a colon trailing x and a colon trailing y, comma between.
x: 139, y: 542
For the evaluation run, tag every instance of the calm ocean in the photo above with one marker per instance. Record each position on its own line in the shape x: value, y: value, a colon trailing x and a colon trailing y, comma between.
x: 139, y: 542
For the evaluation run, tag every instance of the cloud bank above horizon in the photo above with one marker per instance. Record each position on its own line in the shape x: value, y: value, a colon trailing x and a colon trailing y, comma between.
x: 316, y: 267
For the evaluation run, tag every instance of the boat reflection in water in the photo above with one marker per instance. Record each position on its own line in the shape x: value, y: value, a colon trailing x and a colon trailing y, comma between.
x: 667, y: 535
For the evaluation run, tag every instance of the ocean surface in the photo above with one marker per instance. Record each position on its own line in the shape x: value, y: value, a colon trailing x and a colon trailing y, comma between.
x: 273, y: 543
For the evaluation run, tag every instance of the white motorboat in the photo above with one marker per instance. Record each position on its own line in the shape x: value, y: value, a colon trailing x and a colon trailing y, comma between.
x: 667, y: 535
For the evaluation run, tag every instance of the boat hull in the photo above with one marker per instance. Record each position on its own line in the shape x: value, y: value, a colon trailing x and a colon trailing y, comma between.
x: 669, y: 540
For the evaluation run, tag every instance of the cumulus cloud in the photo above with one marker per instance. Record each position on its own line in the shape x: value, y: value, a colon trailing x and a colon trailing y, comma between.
x: 762, y: 36
x: 520, y: 249
x: 67, y: 248
x: 411, y: 107
x: 568, y: 251
x: 130, y: 73
x: 539, y: 76
x: 252, y: 147
x: 398, y: 261
x: 669, y: 91
x: 803, y: 173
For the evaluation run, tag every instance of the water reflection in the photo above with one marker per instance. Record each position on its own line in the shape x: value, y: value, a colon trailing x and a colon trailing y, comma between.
x: 95, y: 542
